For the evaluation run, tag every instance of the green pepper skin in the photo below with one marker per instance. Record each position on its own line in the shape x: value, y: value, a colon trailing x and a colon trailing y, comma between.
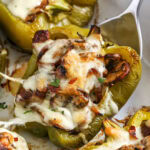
x: 83, y: 2
x: 32, y: 66
x: 3, y: 61
x: 140, y: 116
x: 12, y: 25
x: 60, y: 4
x: 22, y: 33
x: 80, y: 17
x: 68, y: 140
x: 36, y: 129
x: 122, y: 90
x: 91, y: 147
x: 66, y: 32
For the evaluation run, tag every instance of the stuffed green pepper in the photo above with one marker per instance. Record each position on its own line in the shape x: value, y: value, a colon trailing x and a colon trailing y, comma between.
x: 134, y: 135
x: 72, y: 85
x: 21, y: 19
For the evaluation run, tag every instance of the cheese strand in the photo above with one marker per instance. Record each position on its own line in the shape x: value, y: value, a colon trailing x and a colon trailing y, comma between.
x: 21, y: 81
x: 12, y: 122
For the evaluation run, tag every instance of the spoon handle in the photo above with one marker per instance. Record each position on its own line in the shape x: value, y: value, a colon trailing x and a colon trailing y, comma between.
x: 134, y: 7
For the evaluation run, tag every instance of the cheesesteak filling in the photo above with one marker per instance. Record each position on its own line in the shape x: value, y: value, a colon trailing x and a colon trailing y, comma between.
x: 71, y: 82
x: 11, y: 141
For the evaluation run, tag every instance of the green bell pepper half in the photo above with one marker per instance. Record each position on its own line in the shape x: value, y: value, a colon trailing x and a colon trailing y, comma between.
x: 60, y: 16
x: 122, y: 90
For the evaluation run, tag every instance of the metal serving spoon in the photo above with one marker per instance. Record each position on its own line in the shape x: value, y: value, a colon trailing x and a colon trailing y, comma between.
x: 125, y: 28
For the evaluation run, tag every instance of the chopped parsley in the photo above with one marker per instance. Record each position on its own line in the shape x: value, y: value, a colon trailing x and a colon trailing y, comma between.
x: 101, y: 80
x: 28, y: 111
x: 93, y: 93
x: 63, y: 112
x: 55, y: 83
x: 3, y: 105
x: 54, y: 109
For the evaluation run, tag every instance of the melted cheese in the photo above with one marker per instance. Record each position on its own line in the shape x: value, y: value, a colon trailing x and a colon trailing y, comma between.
x: 108, y: 106
x: 55, y: 50
x: 17, y: 142
x: 25, y: 117
x: 78, y: 62
x: 81, y: 116
x: 55, y: 117
x: 39, y: 81
x: 30, y: 83
x: 77, y: 68
x: 66, y: 118
x: 21, y: 8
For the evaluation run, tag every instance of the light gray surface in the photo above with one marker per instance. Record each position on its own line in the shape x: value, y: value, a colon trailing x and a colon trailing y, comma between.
x: 124, y: 29
x: 141, y: 97
x: 145, y: 25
